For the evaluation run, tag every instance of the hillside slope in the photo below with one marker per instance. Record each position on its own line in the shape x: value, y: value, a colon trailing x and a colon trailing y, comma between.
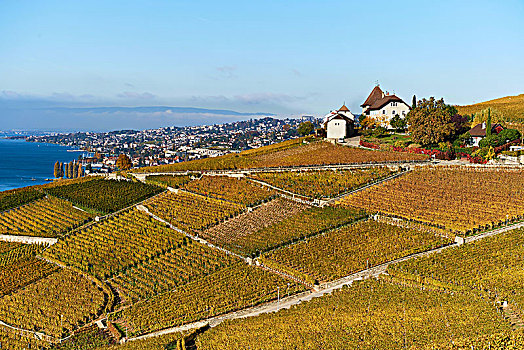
x: 511, y: 106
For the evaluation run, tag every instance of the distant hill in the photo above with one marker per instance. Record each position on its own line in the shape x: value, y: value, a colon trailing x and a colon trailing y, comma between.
x: 156, y: 109
x: 512, y: 107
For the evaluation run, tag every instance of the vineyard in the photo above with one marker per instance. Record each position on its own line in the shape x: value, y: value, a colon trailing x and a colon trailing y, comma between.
x: 298, y: 152
x: 369, y: 315
x: 173, y: 181
x: 459, y: 199
x: 11, y: 339
x: 115, y: 244
x: 191, y: 211
x: 490, y: 267
x: 278, y: 223
x: 227, y: 188
x: 17, y: 197
x: 240, y: 233
x: 323, y: 184
x: 105, y: 196
x: 188, y: 262
x: 229, y: 289
x: 39, y: 305
x: 342, y: 252
x: 47, y: 217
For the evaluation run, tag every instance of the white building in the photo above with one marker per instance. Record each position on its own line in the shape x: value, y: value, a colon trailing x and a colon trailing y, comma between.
x: 382, y: 107
x: 339, y: 124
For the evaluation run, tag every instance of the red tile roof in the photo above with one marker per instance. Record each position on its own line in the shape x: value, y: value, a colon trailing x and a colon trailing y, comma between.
x: 343, y: 108
x: 375, y: 95
x: 479, y: 130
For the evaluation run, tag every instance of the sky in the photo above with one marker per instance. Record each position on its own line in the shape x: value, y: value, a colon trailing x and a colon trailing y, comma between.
x: 286, y: 58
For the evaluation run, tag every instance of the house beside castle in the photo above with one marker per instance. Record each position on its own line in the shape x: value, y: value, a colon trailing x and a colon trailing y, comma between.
x: 382, y: 107
x: 339, y: 124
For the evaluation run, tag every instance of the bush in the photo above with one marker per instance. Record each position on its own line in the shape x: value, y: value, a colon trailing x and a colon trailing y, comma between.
x: 492, y: 140
x: 508, y: 135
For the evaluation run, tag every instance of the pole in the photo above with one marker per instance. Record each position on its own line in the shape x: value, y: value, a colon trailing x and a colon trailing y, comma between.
x: 278, y: 291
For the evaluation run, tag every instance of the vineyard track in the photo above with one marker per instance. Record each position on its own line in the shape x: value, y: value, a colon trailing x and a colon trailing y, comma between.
x: 290, y: 195
x: 287, y: 302
x: 142, y: 176
x: 28, y: 239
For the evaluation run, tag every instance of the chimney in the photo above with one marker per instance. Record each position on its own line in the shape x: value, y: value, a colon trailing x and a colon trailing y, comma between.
x: 484, y: 125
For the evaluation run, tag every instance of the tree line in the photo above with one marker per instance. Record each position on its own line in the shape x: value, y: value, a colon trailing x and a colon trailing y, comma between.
x: 70, y: 170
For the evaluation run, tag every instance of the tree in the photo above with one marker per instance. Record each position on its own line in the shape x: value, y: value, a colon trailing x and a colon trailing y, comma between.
x: 488, y: 124
x: 62, y: 172
x: 80, y: 170
x: 508, y: 135
x: 75, y: 171
x: 414, y: 102
x: 398, y: 123
x: 430, y: 122
x: 56, y: 171
x: 89, y: 167
x: 123, y: 162
x: 367, y: 122
x: 460, y: 125
x: 305, y: 128
x: 70, y: 170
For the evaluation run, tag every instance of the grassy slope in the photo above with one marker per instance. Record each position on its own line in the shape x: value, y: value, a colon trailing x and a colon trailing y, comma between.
x: 511, y: 106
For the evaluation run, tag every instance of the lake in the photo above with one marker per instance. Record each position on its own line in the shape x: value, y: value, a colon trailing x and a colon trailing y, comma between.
x: 29, y: 163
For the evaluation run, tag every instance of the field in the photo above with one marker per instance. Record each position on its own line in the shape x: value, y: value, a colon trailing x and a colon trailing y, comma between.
x: 322, y: 184
x: 293, y: 222
x: 491, y: 267
x: 17, y: 197
x: 115, y: 244
x: 240, y: 234
x: 368, y: 315
x: 350, y: 249
x: 38, y: 306
x: 11, y: 339
x: 230, y: 189
x: 183, y: 264
x: 192, y: 212
x: 512, y: 107
x: 459, y: 199
x: 47, y: 217
x: 105, y: 196
x: 229, y: 289
x: 289, y: 153
x: 173, y: 181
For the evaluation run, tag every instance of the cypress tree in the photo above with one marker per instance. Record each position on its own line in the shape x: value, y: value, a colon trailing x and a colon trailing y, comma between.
x: 414, y: 102
x: 80, y: 170
x: 56, y: 171
x: 75, y: 171
x: 62, y: 173
x: 488, y: 124
x: 70, y: 170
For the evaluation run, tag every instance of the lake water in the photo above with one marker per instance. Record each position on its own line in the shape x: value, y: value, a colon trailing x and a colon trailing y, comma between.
x: 29, y: 163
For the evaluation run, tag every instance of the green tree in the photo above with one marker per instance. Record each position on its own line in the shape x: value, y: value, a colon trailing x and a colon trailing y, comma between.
x: 123, y: 162
x: 508, y: 135
x: 488, y: 124
x: 431, y: 121
x: 398, y: 123
x: 414, y: 102
x: 70, y: 170
x: 75, y: 171
x: 305, y: 128
x: 56, y: 171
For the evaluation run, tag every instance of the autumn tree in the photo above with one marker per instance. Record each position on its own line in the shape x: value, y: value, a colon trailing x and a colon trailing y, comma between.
x: 305, y: 128
x: 123, y: 162
x: 398, y: 123
x: 56, y: 171
x: 80, y: 170
x: 431, y: 121
x: 75, y: 171
x: 70, y: 170
x: 62, y: 172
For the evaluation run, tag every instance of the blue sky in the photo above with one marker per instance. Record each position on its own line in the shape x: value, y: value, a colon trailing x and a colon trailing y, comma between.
x: 288, y: 58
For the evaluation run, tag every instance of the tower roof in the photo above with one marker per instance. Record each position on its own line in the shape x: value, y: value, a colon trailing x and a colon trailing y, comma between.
x: 375, y: 95
x: 343, y: 108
